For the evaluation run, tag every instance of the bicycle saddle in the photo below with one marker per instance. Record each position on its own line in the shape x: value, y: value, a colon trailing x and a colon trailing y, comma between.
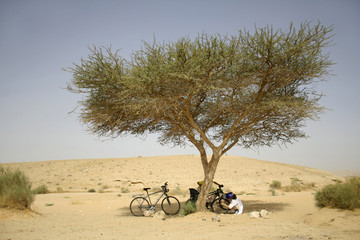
x: 146, y: 188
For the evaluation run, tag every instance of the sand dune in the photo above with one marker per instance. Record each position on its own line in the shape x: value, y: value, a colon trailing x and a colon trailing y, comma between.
x: 71, y: 212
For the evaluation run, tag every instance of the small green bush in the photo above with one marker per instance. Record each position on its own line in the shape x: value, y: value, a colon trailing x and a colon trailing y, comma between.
x: 340, y: 195
x: 273, y: 192
x: 124, y: 190
x: 189, y: 207
x: 275, y: 184
x: 15, y: 189
x: 298, y: 185
x: 41, y: 190
x: 91, y: 190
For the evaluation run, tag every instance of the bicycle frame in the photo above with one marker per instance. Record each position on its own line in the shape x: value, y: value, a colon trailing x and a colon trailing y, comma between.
x: 149, y: 194
x: 218, y: 192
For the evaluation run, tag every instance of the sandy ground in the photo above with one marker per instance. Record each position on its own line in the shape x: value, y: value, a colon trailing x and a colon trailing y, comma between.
x: 71, y: 212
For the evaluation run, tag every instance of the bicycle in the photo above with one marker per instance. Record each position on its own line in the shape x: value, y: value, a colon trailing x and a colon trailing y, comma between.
x: 219, y: 200
x: 214, y: 200
x: 170, y: 204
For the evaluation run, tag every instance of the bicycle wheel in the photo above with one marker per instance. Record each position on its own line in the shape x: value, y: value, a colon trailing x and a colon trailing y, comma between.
x: 170, y: 205
x: 216, y: 205
x: 138, y: 205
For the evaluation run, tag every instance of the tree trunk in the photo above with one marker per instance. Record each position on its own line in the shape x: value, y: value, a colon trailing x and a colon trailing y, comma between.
x: 209, y: 173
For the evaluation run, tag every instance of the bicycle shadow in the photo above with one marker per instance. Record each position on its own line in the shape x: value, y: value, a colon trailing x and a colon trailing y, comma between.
x: 125, y: 211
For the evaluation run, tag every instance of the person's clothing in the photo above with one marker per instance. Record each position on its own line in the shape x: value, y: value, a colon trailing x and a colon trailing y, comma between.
x: 238, y: 204
x: 200, y: 182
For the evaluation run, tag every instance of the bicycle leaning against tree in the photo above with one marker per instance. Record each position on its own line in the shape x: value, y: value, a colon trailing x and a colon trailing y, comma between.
x: 170, y: 204
x: 215, y: 200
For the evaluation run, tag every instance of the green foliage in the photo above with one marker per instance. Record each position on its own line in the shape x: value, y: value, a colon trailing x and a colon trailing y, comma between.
x: 273, y: 192
x: 189, y: 207
x: 15, y: 189
x: 41, y: 190
x: 125, y: 190
x: 250, y: 89
x: 91, y: 190
x: 275, y: 184
x: 298, y: 185
x: 340, y: 195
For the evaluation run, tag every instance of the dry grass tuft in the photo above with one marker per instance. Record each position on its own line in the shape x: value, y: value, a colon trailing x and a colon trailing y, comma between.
x: 15, y: 190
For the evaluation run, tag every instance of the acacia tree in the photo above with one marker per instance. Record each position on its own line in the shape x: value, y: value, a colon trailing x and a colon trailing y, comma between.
x: 213, y: 92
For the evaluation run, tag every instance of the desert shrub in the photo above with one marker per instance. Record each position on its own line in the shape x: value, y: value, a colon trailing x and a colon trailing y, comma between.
x: 273, y: 192
x: 91, y: 190
x: 340, y: 195
x: 124, y: 190
x: 15, y: 189
x: 275, y: 184
x: 41, y: 190
x: 189, y: 207
x: 298, y: 185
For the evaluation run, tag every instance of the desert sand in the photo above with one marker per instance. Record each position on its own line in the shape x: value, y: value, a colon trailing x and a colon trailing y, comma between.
x: 70, y: 211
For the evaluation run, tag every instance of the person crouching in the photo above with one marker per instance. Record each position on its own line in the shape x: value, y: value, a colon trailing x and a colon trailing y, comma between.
x: 235, y: 203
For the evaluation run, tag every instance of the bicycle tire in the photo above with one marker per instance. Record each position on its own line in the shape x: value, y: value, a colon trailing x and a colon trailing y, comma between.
x: 138, y: 205
x: 170, y: 205
x: 216, y: 205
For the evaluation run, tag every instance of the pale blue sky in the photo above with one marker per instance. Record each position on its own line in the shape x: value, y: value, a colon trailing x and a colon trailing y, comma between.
x: 39, y: 38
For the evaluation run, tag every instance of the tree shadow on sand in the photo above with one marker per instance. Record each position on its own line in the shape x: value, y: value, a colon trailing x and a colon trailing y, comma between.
x: 249, y: 206
x: 254, y: 205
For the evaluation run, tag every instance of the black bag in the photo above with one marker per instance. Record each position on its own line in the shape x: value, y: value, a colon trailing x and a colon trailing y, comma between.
x: 193, y: 194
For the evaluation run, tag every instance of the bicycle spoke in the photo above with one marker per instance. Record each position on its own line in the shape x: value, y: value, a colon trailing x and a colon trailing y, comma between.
x: 170, y: 205
x: 138, y: 205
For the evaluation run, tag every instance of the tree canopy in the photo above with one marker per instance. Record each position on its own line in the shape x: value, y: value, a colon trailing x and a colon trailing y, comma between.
x: 213, y: 91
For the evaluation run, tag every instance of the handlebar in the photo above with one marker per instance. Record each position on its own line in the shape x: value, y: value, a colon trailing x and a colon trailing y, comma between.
x: 164, y: 187
x: 219, y: 190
